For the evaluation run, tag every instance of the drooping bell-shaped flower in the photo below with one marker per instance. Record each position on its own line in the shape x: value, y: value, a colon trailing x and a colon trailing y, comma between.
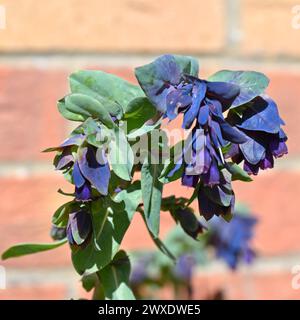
x: 90, y: 168
x: 217, y: 200
x: 88, y: 165
x: 79, y: 227
x: 184, y: 267
x: 189, y: 222
x: 265, y: 138
x: 232, y: 240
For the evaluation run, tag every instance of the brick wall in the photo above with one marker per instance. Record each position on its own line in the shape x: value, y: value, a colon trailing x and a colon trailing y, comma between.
x: 45, y: 40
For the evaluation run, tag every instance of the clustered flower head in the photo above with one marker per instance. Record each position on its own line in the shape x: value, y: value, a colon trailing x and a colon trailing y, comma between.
x: 230, y: 117
x: 261, y: 124
x: 88, y: 169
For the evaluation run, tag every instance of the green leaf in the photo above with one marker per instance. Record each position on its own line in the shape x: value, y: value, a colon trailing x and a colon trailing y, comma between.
x: 189, y: 222
x: 251, y: 83
x: 181, y: 244
x: 194, y: 195
x: 146, y: 128
x: 111, y: 91
x: 163, y: 248
x: 152, y: 194
x: 238, y: 173
x: 97, y: 134
x: 29, y: 248
x: 89, y: 281
x: 169, y: 165
x: 115, y: 278
x: 61, y: 105
x: 88, y: 107
x: 157, y: 241
x: 61, y: 215
x: 138, y: 112
x: 131, y: 197
x: 121, y: 155
x: 188, y: 65
x: 110, y: 220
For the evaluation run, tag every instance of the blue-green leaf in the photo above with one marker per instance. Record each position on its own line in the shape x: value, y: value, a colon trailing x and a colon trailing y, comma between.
x: 66, y: 113
x: 152, y: 194
x: 115, y: 278
x: 251, y: 83
x: 138, y: 112
x: 121, y: 155
x: 88, y: 107
x: 238, y: 173
x: 111, y: 91
x: 143, y: 130
x: 23, y: 249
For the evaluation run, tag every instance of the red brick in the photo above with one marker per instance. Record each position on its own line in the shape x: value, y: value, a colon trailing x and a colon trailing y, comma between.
x: 285, y: 89
x: 122, y: 72
x: 245, y: 285
x: 274, y: 285
x: 28, y: 112
x: 228, y: 284
x: 137, y: 236
x: 267, y: 30
x: 34, y: 292
x: 272, y: 196
x: 121, y: 26
x: 26, y: 213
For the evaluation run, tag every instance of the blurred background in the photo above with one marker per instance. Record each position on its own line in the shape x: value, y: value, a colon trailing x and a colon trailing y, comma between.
x: 42, y: 41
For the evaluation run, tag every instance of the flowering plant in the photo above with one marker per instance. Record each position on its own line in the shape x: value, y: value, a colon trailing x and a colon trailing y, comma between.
x: 119, y: 158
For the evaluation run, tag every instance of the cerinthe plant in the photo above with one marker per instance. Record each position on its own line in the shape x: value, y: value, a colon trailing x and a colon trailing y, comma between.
x: 119, y: 158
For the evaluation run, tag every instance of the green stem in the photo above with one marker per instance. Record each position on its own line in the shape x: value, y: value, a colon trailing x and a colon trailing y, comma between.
x: 98, y: 291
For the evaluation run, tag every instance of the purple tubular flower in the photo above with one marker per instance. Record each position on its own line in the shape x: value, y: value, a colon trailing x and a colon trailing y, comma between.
x: 256, y: 152
x: 118, y: 190
x: 201, y: 159
x: 83, y: 189
x: 177, y: 89
x: 204, y: 102
x: 266, y: 139
x: 89, y: 170
x: 231, y: 240
x: 252, y: 130
x: 79, y: 227
x: 84, y: 193
x: 218, y: 200
x: 139, y: 272
x: 93, y: 167
x: 189, y: 180
x: 65, y: 160
x: 184, y: 267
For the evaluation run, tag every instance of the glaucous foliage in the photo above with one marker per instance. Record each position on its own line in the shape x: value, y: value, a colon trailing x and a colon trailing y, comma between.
x: 230, y: 120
